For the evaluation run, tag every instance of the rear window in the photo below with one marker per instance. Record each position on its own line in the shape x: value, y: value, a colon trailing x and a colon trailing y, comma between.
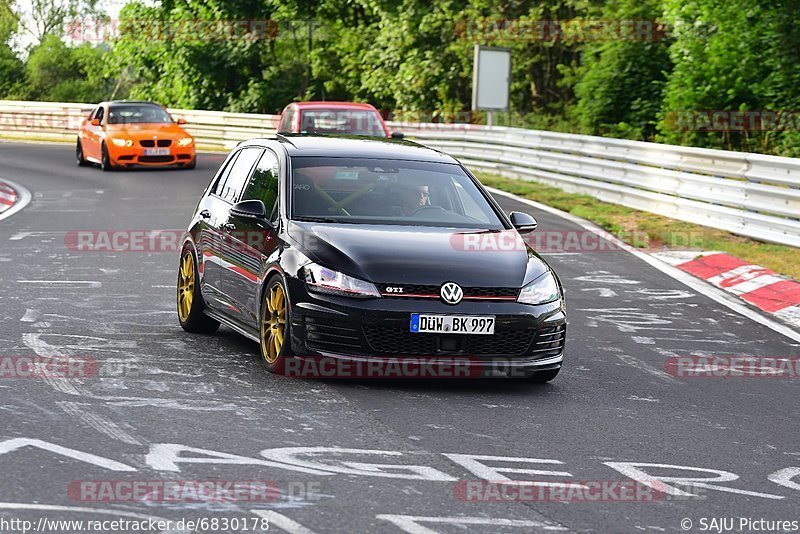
x: 341, y: 121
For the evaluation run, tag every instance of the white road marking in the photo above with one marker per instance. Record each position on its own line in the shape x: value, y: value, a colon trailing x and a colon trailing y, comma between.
x: 22, y: 235
x: 603, y: 291
x: 290, y: 456
x: 634, y: 471
x: 167, y: 456
x: 602, y: 278
x: 411, y: 524
x: 11, y: 445
x: 98, y: 422
x: 45, y: 350
x: 749, y: 279
x: 88, y: 283
x: 647, y: 368
x: 700, y: 286
x: 659, y: 294
x: 31, y: 316
x: 784, y: 477
x: 282, y: 522
x: 474, y: 463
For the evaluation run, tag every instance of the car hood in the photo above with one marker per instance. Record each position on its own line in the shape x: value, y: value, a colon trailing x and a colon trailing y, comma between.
x: 414, y: 255
x: 147, y: 129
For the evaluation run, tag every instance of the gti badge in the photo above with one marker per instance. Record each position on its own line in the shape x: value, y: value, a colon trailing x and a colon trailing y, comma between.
x: 451, y: 293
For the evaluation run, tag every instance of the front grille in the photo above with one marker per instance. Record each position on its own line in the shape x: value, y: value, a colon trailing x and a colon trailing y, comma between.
x: 410, y: 290
x: 333, y: 336
x: 155, y: 159
x: 394, y: 340
x: 149, y: 143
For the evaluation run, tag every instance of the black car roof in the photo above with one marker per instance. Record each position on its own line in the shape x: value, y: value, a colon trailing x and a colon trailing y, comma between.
x: 357, y: 147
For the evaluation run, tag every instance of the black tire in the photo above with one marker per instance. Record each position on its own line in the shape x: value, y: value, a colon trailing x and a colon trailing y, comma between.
x: 191, y: 165
x: 79, y: 155
x: 541, y: 377
x: 105, y: 160
x: 190, y: 314
x: 274, y: 360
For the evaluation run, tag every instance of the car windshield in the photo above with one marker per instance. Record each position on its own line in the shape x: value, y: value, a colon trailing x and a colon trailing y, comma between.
x: 137, y: 114
x: 378, y: 191
x: 341, y: 121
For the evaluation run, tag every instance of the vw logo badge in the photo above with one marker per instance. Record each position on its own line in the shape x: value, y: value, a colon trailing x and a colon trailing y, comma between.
x: 451, y: 293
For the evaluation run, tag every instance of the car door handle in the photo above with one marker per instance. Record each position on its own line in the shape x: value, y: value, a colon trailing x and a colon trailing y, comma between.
x: 205, y: 214
x: 229, y: 227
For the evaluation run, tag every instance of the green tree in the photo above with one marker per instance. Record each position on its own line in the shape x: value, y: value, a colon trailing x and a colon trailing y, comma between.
x: 730, y: 56
x: 62, y: 73
x: 620, y: 82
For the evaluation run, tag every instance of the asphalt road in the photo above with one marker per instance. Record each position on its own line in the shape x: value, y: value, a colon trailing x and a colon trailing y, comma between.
x: 613, y: 401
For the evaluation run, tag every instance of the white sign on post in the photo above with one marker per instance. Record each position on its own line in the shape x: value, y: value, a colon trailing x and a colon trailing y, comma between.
x: 491, y: 78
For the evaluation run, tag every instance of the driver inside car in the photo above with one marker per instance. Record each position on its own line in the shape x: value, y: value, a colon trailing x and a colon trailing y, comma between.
x: 414, y: 197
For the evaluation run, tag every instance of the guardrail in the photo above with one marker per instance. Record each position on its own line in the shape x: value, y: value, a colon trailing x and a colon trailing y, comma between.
x: 748, y: 194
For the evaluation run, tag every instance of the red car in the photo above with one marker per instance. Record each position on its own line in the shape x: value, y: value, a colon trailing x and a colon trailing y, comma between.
x: 348, y: 118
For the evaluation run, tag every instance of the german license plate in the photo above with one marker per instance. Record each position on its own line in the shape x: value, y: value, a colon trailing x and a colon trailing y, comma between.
x: 452, y: 324
x: 156, y: 152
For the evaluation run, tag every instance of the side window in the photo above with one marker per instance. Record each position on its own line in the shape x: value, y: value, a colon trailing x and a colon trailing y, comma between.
x: 263, y: 184
x: 286, y: 123
x: 220, y: 185
x: 99, y: 114
x: 240, y: 172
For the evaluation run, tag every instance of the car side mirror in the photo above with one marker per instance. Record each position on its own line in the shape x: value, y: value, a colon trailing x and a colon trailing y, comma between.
x: 95, y: 122
x: 181, y: 121
x: 523, y: 222
x: 398, y: 135
x: 249, y: 209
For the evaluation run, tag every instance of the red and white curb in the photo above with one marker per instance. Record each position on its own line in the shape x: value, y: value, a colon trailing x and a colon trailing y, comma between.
x: 8, y: 196
x: 13, y: 197
x: 761, y: 287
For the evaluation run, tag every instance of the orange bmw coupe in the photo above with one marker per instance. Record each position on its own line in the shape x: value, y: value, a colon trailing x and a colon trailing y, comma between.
x: 124, y: 133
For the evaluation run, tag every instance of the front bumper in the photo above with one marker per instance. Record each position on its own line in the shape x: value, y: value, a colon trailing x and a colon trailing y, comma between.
x: 135, y: 155
x: 526, y: 338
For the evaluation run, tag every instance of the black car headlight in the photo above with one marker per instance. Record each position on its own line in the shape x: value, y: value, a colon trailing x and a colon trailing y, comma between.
x: 324, y: 280
x: 541, y: 291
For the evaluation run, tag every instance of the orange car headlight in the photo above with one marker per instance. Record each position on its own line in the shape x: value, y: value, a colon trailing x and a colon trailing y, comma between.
x: 185, y: 141
x: 122, y: 142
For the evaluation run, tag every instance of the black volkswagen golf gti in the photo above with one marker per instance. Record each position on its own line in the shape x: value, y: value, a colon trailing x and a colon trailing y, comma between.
x: 367, y: 251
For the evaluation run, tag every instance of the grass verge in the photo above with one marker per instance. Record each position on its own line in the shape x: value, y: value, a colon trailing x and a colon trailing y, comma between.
x: 649, y: 231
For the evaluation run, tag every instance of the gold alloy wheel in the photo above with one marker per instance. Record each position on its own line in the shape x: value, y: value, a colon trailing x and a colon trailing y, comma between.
x: 186, y: 286
x: 273, y: 324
